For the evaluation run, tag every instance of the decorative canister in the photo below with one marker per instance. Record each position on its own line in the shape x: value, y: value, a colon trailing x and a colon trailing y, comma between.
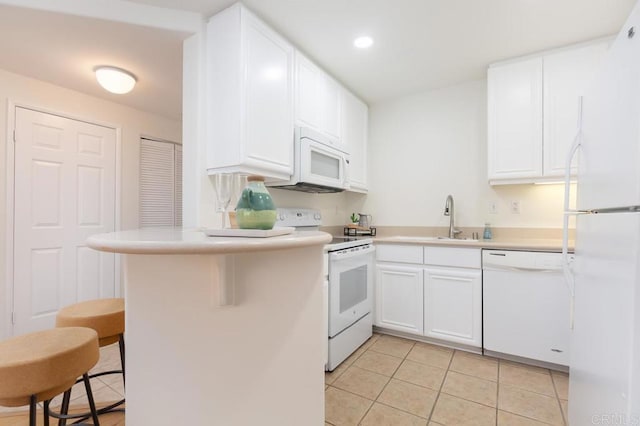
x: 255, y: 209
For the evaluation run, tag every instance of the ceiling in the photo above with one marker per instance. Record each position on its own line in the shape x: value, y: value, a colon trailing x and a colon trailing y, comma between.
x: 64, y: 50
x: 419, y: 44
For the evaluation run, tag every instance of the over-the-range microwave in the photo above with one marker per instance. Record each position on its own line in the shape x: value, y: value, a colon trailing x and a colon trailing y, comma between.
x: 319, y: 164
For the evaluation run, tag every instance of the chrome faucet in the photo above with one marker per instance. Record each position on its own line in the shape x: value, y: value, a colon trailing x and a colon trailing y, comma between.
x: 448, y: 211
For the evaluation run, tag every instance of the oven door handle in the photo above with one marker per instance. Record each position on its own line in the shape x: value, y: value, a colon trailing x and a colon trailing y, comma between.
x: 343, y: 255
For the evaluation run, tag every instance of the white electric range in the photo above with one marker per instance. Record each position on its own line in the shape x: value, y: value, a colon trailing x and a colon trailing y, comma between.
x: 348, y: 290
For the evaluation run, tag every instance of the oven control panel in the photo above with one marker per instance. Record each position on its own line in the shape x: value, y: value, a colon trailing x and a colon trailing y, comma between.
x: 298, y: 217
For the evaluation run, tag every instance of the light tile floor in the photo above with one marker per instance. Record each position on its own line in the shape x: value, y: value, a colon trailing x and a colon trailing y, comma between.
x: 393, y: 381
x: 109, y: 388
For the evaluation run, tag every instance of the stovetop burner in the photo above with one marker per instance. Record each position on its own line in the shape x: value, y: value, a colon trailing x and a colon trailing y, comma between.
x: 341, y: 239
x: 340, y: 242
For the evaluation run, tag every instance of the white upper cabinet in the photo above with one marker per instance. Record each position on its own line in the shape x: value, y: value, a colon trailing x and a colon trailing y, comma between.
x: 308, y: 93
x: 317, y: 99
x: 355, y: 121
x: 515, y: 119
x: 533, y: 111
x: 249, y: 96
x: 331, y: 110
x: 566, y: 76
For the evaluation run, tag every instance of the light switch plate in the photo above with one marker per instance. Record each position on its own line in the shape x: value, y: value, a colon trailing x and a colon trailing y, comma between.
x: 493, y: 207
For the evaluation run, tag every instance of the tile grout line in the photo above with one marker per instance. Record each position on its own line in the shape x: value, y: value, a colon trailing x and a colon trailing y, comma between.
x: 433, y: 408
x: 527, y: 389
x: 400, y: 409
x: 565, y: 420
x: 388, y: 381
x: 517, y: 387
x: 358, y: 357
x: 473, y: 377
x: 498, y: 393
x: 347, y: 368
x: 500, y: 363
x: 404, y: 381
x: 526, y: 417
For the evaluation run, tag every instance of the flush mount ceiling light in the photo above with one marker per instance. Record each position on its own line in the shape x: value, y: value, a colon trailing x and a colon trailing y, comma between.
x: 363, y: 42
x: 115, y: 80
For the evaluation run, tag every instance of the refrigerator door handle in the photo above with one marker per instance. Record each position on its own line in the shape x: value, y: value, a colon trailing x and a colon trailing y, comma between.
x: 567, y: 264
x: 577, y: 142
x: 568, y: 212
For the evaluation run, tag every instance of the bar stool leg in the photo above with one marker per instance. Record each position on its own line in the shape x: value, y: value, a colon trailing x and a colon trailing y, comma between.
x: 45, y: 412
x: 121, y: 345
x: 32, y: 410
x: 92, y: 405
x: 64, y: 408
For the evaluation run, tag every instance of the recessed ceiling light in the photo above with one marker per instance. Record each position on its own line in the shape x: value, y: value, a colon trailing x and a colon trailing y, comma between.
x: 115, y: 80
x: 363, y: 42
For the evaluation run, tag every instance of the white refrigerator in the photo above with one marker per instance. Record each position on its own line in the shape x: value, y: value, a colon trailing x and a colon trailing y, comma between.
x: 605, y: 277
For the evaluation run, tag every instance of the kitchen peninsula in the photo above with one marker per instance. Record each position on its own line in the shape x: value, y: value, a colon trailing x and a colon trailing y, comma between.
x: 221, y: 330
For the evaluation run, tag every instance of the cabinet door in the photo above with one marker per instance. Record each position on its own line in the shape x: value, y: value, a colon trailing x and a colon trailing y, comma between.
x: 453, y: 305
x: 268, y: 99
x: 249, y: 96
x: 308, y: 93
x: 330, y: 107
x: 317, y: 99
x: 399, y: 295
x: 515, y: 120
x: 355, y: 116
x: 566, y: 75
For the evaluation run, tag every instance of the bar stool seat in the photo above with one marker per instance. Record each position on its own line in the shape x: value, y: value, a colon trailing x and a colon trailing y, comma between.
x: 105, y: 316
x: 38, y: 366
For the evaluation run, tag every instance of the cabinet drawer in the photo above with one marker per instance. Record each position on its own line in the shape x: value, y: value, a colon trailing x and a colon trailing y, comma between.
x: 452, y: 256
x: 399, y: 253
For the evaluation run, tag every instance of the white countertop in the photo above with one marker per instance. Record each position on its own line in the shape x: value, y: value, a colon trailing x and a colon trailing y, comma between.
x: 193, y: 241
x: 546, y: 244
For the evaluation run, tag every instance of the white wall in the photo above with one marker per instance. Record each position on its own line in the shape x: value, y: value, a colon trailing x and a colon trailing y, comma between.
x: 425, y: 146
x: 133, y: 124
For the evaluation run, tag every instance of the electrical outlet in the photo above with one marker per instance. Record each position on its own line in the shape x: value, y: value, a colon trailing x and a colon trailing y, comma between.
x: 493, y: 207
x: 515, y: 206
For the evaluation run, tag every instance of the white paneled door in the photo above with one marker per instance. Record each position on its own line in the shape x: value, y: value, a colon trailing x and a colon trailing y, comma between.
x: 64, y: 192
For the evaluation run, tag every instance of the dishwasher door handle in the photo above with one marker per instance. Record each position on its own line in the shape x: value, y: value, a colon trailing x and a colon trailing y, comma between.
x: 520, y: 269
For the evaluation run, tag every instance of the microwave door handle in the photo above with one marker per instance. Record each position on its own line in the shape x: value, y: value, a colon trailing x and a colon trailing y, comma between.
x: 346, y: 172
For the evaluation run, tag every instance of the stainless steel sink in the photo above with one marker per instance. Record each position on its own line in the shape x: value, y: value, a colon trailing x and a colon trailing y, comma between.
x: 462, y: 240
x: 426, y: 239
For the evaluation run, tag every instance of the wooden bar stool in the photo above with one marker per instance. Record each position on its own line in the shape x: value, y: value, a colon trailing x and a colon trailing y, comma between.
x: 38, y: 366
x: 106, y: 317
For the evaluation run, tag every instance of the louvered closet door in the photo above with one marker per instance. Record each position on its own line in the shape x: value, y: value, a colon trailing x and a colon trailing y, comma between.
x: 178, y: 185
x: 160, y: 184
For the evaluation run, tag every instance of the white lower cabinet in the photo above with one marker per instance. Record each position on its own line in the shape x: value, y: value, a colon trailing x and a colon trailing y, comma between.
x: 399, y: 295
x: 430, y: 291
x: 453, y: 305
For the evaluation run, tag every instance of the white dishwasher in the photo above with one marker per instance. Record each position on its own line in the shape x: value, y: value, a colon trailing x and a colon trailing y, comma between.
x: 526, y: 305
